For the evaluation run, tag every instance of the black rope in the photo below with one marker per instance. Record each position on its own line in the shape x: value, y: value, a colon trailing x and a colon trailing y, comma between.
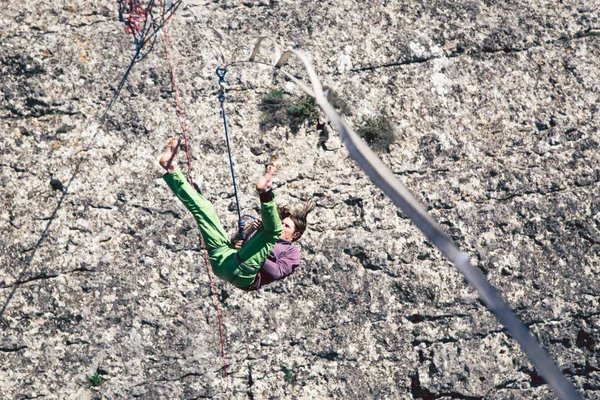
x: 148, y: 31
x: 241, y: 223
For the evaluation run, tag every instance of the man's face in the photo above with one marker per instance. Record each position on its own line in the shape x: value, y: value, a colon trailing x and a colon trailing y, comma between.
x: 289, y: 230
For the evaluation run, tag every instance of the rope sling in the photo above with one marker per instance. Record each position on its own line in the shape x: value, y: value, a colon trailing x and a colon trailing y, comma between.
x: 222, y: 96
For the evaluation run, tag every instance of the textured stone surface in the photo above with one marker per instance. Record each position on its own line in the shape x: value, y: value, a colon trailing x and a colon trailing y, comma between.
x: 496, y: 113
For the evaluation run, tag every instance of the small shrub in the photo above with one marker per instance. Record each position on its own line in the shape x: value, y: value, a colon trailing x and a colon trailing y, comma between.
x: 304, y: 111
x: 377, y: 131
x: 96, y: 380
x: 272, y: 100
x: 272, y: 107
x: 277, y: 110
x: 289, y: 376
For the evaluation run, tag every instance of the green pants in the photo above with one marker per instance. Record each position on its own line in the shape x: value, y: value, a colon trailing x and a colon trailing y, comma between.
x: 237, y: 267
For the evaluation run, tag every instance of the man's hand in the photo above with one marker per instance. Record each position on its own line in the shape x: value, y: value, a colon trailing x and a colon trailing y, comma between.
x: 256, y: 225
x: 264, y: 184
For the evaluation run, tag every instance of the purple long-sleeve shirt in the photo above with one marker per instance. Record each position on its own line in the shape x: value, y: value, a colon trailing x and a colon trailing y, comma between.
x: 283, y: 261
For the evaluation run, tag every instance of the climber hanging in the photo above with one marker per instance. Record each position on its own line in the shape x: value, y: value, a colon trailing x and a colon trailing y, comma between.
x: 256, y: 255
x: 267, y: 254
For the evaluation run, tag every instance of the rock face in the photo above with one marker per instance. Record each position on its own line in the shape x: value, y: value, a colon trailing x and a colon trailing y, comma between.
x: 103, y: 285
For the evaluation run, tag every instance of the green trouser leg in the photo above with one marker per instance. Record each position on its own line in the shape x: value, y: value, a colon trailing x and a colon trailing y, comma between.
x: 224, y: 262
x: 202, y: 210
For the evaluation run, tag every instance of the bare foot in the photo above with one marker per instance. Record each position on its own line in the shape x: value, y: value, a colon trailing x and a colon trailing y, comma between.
x: 168, y: 159
x: 265, y: 183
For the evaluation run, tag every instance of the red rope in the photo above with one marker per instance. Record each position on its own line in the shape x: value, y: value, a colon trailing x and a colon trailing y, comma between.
x: 187, y: 152
x: 136, y: 15
x: 179, y: 109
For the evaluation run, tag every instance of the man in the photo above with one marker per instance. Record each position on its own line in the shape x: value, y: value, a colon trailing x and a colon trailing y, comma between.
x: 267, y: 255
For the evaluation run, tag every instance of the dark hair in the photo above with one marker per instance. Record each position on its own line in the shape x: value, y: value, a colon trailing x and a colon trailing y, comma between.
x: 298, y: 217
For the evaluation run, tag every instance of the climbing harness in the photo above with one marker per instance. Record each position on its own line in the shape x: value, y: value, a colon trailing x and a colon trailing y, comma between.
x: 222, y: 95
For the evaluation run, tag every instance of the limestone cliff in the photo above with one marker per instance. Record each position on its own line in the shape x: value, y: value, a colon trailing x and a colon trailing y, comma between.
x: 494, y: 107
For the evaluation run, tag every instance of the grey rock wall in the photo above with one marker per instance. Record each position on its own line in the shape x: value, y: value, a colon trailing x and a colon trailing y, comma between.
x: 495, y: 106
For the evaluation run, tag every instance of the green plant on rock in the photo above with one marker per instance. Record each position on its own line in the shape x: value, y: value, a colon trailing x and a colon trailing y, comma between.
x: 96, y: 380
x: 273, y: 111
x: 278, y: 110
x: 272, y: 100
x: 305, y: 110
x: 289, y: 376
x: 377, y: 131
